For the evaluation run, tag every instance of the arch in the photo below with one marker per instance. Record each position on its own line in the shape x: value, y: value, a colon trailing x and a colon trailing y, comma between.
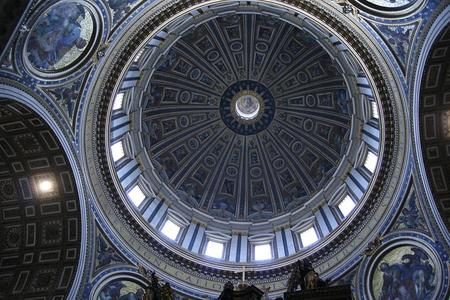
x: 434, y: 32
x: 63, y: 154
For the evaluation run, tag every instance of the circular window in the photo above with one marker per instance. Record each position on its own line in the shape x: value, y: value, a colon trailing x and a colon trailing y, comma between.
x: 247, y: 106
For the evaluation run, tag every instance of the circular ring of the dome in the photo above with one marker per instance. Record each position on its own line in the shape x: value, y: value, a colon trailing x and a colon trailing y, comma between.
x: 62, y: 38
x: 319, y: 143
x: 304, y: 161
x: 388, y: 8
x: 257, y: 118
x: 340, y: 243
x: 14, y: 92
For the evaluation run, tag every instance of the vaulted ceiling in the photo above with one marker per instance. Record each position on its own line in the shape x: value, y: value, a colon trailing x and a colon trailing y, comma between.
x: 40, y: 218
x: 435, y: 122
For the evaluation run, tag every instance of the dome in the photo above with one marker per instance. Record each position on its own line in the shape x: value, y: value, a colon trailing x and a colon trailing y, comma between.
x: 244, y: 121
x: 240, y: 134
x: 260, y: 109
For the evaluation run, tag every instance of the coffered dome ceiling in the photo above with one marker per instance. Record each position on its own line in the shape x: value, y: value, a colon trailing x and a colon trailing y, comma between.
x: 244, y: 121
x: 40, y: 225
x: 255, y: 165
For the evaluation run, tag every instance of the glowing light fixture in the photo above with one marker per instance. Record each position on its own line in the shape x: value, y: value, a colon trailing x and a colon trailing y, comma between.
x: 46, y: 186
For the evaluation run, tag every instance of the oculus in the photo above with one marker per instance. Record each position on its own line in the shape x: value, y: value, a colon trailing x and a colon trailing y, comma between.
x: 247, y: 106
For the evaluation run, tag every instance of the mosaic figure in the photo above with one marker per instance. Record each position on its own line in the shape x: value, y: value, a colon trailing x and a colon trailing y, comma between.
x: 105, y: 253
x: 59, y: 36
x: 410, y: 278
x: 121, y: 290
